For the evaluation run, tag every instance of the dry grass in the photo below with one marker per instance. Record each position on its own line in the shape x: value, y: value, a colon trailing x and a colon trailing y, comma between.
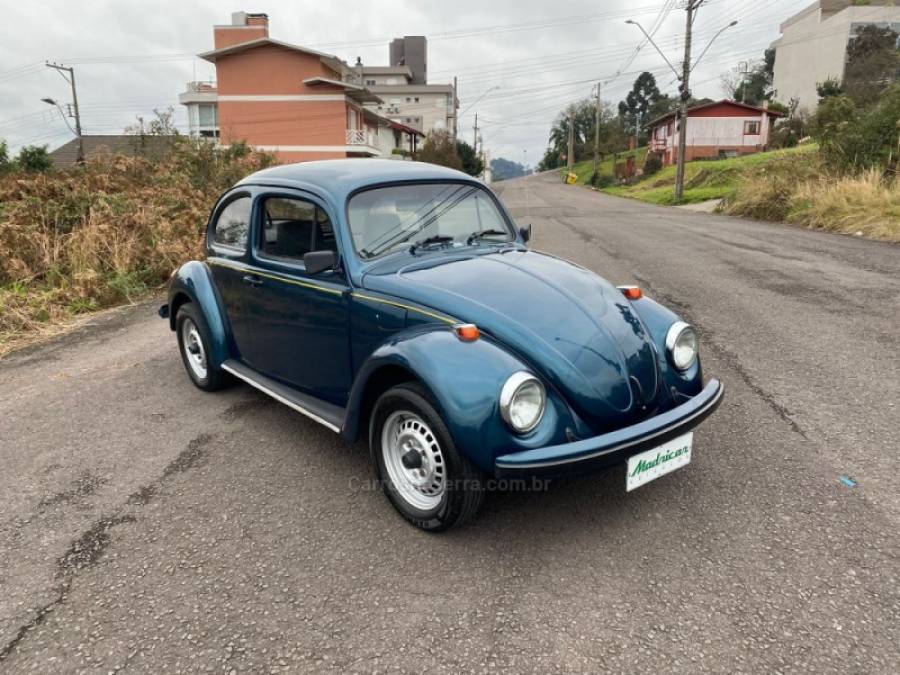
x: 867, y: 204
x: 105, y: 234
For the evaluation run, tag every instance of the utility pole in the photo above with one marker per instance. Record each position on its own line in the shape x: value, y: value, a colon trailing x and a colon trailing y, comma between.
x: 71, y: 80
x: 692, y: 6
x: 570, y: 155
x: 455, y: 104
x: 475, y: 135
x: 597, y: 132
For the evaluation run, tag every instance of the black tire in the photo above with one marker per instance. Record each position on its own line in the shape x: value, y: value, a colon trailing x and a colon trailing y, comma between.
x: 463, y: 489
x: 189, y: 316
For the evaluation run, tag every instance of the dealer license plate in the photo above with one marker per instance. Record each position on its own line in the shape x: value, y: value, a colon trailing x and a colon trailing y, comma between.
x: 651, y: 464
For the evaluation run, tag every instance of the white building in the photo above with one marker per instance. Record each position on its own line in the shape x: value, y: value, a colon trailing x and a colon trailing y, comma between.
x: 813, y: 45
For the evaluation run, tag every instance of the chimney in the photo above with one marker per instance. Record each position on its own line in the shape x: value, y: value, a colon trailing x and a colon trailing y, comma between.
x: 359, y: 71
x: 244, y: 27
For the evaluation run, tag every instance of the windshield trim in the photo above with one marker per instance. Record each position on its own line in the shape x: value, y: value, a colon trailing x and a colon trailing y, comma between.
x: 507, y: 220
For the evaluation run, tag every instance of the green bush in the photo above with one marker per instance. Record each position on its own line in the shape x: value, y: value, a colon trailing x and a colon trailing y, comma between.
x: 652, y: 164
x: 852, y: 140
x: 34, y: 158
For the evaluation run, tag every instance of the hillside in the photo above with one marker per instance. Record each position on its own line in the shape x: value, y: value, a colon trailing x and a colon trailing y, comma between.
x: 788, y: 185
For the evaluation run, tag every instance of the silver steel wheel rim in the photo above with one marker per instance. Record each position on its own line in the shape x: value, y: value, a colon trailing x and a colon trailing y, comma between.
x: 423, y: 487
x: 193, y: 349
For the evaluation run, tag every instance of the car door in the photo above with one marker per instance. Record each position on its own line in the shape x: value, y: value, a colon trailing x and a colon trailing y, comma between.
x: 300, y: 321
x: 227, y: 252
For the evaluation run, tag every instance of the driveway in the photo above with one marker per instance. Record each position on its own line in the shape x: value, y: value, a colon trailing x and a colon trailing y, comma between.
x: 147, y: 527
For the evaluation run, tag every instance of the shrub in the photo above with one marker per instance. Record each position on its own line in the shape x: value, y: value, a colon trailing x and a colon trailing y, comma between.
x: 107, y: 232
x: 439, y: 148
x: 652, y: 164
x: 853, y: 140
x: 601, y: 180
x: 34, y: 158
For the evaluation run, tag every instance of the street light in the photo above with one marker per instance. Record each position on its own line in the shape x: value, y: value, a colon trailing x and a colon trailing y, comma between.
x: 468, y: 108
x: 650, y: 40
x: 706, y: 49
x: 50, y: 101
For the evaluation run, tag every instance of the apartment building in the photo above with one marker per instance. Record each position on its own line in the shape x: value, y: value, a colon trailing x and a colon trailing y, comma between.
x: 813, y: 44
x: 403, y: 86
x: 297, y: 102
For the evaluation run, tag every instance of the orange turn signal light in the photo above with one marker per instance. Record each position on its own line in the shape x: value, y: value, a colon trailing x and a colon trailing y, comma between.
x: 467, y: 332
x: 632, y: 292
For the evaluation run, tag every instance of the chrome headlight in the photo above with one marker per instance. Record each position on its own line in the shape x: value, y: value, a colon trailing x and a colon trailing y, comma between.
x: 522, y: 401
x: 682, y: 345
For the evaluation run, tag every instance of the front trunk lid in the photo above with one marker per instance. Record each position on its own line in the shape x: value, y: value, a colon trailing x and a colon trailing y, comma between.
x: 573, y: 327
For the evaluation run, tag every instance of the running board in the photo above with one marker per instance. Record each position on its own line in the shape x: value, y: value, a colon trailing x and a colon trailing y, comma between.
x: 326, y: 414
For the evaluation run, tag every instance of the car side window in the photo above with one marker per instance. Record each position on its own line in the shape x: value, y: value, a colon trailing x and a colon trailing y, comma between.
x: 233, y: 224
x: 293, y: 227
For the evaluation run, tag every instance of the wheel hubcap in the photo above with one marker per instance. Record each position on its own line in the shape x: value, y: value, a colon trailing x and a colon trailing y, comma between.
x: 193, y: 348
x: 413, y: 460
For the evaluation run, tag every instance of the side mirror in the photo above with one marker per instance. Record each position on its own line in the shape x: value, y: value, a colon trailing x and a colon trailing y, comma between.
x: 319, y: 261
x: 525, y: 233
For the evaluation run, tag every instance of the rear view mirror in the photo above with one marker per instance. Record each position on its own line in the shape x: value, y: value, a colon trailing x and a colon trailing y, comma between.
x: 525, y: 233
x: 319, y: 261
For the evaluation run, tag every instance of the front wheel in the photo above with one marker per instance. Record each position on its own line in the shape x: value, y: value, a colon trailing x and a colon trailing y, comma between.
x: 194, y: 345
x: 426, y: 478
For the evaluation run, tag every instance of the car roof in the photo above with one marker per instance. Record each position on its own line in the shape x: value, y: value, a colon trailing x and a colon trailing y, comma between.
x: 340, y: 177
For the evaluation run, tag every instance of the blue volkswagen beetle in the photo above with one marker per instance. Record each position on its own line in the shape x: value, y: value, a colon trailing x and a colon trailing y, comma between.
x: 398, y: 302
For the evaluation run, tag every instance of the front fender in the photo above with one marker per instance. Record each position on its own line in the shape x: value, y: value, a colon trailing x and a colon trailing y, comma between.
x: 658, y: 319
x: 194, y: 281
x: 464, y: 380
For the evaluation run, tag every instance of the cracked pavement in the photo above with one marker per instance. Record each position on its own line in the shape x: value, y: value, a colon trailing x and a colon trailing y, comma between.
x: 147, y: 527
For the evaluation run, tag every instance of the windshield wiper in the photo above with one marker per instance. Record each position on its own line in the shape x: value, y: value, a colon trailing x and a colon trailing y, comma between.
x: 475, y: 236
x: 428, y: 241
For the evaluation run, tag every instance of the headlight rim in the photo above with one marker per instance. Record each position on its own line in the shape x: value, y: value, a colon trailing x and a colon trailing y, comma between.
x: 672, y: 336
x: 507, y: 394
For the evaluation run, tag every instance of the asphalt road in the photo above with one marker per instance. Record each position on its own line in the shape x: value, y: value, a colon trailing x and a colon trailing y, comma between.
x: 147, y: 527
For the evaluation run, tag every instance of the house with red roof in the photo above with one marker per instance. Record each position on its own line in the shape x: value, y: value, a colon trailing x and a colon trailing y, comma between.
x: 714, y: 131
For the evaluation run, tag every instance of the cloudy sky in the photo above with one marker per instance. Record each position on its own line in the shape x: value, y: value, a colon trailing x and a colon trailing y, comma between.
x: 132, y: 57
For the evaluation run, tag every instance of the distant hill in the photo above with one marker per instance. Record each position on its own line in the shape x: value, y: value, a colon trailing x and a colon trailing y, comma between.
x: 504, y: 169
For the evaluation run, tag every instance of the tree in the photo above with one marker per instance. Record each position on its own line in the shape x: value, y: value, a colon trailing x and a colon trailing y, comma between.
x: 755, y: 85
x: 828, y: 88
x: 439, y: 148
x: 472, y: 164
x: 873, y: 63
x: 643, y: 103
x: 34, y: 158
x: 5, y: 164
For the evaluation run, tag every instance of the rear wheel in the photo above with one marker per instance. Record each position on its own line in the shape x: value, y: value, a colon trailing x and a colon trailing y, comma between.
x: 194, y: 345
x: 426, y: 478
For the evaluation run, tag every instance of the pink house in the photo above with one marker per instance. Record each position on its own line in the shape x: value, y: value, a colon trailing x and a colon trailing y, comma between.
x: 715, y: 130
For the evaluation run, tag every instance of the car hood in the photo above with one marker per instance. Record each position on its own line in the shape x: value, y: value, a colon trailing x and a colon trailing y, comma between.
x: 571, y: 325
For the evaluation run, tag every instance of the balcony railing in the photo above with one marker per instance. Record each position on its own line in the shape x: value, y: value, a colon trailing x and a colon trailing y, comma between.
x: 360, y: 137
x: 204, y: 86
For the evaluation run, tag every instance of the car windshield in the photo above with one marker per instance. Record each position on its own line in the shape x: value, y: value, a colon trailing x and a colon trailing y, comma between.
x: 424, y: 214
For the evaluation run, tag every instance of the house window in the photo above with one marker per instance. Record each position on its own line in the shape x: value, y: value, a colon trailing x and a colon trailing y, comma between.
x: 370, y: 83
x: 208, y: 115
x: 416, y: 99
x: 751, y: 128
x: 408, y: 99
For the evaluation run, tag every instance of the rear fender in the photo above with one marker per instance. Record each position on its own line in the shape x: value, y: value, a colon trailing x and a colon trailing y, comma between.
x: 464, y: 380
x: 193, y: 282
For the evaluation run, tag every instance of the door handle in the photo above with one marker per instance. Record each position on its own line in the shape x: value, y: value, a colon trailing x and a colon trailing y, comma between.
x: 252, y: 279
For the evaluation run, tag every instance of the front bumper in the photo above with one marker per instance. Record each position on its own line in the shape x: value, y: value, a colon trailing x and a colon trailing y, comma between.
x: 599, y: 452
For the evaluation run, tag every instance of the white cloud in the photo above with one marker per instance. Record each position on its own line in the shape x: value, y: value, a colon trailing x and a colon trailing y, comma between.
x: 568, y: 44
